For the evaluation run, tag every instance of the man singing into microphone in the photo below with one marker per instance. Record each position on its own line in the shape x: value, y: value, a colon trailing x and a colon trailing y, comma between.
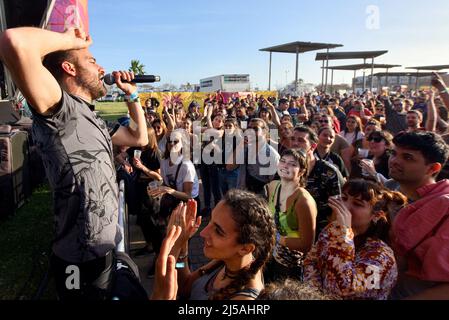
x: 60, y: 79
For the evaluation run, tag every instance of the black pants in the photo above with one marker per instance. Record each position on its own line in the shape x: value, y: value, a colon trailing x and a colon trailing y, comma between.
x: 92, y: 283
x: 211, y: 184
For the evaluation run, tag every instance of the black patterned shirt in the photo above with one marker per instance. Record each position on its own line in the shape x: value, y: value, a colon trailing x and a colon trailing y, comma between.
x: 76, y: 150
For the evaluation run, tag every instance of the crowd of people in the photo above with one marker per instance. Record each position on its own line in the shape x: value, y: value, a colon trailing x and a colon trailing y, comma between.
x: 326, y: 196
x: 350, y: 171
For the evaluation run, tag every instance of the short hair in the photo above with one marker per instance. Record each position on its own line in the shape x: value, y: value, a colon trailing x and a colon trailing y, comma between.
x: 53, y: 62
x: 300, y: 156
x: 431, y: 145
x: 311, y: 135
x: 417, y: 112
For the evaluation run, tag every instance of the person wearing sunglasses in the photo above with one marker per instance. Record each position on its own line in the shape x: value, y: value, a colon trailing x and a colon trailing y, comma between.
x: 380, y: 146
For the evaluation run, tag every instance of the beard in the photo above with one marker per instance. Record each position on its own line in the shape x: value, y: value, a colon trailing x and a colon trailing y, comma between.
x: 91, y: 84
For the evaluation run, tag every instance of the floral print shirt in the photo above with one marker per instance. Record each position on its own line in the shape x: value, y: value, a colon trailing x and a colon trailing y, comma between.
x: 334, y: 265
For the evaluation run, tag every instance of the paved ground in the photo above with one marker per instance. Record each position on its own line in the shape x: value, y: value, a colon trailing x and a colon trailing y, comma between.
x: 196, y: 256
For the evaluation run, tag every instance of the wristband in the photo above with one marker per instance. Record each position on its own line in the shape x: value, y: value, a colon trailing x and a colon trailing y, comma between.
x: 180, y: 265
x: 444, y: 91
x: 133, y: 97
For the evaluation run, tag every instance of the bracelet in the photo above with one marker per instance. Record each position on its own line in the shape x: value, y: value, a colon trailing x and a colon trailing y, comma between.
x: 183, y: 257
x: 133, y: 97
x: 444, y: 91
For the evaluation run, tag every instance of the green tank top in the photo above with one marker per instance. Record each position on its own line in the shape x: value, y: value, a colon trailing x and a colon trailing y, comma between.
x: 287, y: 219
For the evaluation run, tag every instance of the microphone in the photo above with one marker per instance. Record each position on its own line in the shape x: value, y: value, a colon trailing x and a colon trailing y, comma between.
x: 110, y: 80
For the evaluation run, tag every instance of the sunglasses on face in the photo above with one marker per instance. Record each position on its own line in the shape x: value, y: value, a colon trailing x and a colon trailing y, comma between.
x: 375, y: 139
x: 173, y: 141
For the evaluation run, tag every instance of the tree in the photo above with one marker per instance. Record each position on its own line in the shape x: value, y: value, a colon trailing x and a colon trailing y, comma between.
x: 137, y: 67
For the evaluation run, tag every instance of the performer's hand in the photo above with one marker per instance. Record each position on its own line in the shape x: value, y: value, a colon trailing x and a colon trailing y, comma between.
x: 127, y: 87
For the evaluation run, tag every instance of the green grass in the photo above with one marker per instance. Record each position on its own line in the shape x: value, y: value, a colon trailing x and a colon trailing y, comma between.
x: 25, y: 240
x: 111, y: 111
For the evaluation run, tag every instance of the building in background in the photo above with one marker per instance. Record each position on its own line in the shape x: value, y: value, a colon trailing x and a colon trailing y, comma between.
x: 226, y: 83
x: 396, y: 80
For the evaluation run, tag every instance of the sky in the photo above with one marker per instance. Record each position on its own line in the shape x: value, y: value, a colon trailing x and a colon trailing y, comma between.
x: 185, y: 41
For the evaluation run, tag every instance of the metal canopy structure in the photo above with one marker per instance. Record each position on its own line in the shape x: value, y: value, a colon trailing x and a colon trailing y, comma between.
x: 346, y: 56
x: 431, y: 68
x: 361, y: 66
x: 427, y: 68
x: 350, y: 55
x: 297, y: 48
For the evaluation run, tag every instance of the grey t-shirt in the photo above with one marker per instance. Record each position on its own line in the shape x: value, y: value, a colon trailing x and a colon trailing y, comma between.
x: 76, y: 150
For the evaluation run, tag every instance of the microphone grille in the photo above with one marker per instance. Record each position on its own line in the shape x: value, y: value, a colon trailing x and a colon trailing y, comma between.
x: 109, y: 79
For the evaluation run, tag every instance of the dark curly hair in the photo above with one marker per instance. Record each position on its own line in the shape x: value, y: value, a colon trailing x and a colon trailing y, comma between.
x: 256, y: 226
x: 381, y: 199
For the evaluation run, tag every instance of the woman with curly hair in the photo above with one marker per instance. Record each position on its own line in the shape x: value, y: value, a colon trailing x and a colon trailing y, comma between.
x: 352, y: 258
x: 238, y: 239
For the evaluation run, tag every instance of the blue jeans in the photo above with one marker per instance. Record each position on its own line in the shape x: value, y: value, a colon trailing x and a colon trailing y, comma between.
x: 228, y: 179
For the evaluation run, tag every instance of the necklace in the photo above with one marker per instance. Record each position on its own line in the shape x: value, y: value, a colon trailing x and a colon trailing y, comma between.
x: 230, y: 274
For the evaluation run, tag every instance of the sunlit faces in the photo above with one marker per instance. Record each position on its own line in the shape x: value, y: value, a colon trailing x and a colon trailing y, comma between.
x: 315, y: 126
x: 351, y: 125
x: 326, y: 137
x: 255, y: 133
x: 361, y: 212
x: 229, y: 127
x: 288, y: 168
x: 408, y: 166
x: 89, y: 74
x: 220, y: 235
x: 187, y: 125
x: 325, y: 121
x: 286, y: 130
x: 217, y: 123
x: 299, y: 140
x: 174, y: 142
x: 377, y: 144
x: 413, y: 120
x: 158, y: 129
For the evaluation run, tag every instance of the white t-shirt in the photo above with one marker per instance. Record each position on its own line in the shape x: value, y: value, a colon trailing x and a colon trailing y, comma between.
x: 349, y: 136
x: 187, y: 173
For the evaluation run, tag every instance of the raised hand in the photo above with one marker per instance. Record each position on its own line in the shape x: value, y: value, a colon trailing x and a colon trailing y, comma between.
x: 438, y: 82
x: 342, y: 214
x: 79, y: 38
x: 166, y: 276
